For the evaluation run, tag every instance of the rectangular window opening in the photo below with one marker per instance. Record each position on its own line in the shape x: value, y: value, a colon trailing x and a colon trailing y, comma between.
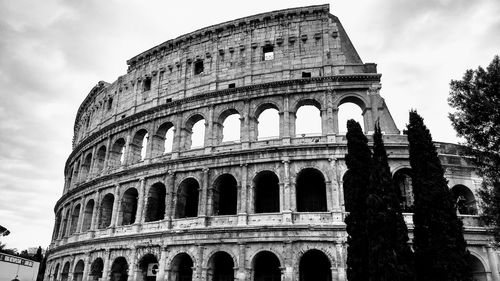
x: 306, y: 74
x: 169, y: 99
x: 198, y: 67
x: 267, y: 52
x: 110, y: 103
x: 231, y: 85
x: 146, y: 86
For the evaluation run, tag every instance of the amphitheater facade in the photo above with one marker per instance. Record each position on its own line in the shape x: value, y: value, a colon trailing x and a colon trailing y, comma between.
x: 144, y: 201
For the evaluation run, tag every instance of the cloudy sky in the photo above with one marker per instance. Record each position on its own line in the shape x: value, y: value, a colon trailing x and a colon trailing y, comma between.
x: 53, y: 52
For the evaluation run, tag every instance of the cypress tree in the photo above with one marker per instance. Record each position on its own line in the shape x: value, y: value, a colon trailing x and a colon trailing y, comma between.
x: 356, y: 182
x: 440, y: 248
x: 390, y: 257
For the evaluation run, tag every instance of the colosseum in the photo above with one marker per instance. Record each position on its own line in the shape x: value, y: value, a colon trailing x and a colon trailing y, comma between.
x: 145, y: 199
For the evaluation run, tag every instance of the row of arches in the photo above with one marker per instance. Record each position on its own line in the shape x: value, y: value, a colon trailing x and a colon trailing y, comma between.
x: 229, y: 127
x: 311, y: 195
x: 314, y: 265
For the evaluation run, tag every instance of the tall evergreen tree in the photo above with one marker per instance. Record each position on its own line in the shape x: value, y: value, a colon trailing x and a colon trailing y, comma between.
x: 440, y: 248
x: 356, y: 182
x: 390, y: 256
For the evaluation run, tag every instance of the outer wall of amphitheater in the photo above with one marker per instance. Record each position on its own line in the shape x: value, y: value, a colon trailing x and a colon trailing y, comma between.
x: 143, y: 201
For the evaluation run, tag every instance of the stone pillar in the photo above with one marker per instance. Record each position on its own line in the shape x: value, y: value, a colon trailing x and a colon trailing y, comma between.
x: 199, y: 268
x: 162, y: 266
x: 341, y: 262
x: 91, y: 172
x: 80, y: 216
x: 493, y: 261
x: 241, y: 274
x: 116, y: 205
x: 335, y: 113
x: 86, y: 269
x: 169, y: 196
x: 203, y: 199
x: 285, y: 122
x: 177, y: 141
x: 242, y: 205
x: 105, y: 268
x: 333, y: 187
x: 70, y: 220
x: 126, y: 159
x: 287, y: 268
x: 133, y: 269
x: 210, y: 137
x: 140, y: 204
x: 106, y: 156
x: 288, y: 192
x: 96, y: 211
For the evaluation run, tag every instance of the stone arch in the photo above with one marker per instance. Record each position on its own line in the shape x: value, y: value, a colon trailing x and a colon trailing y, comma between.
x: 272, y: 123
x: 87, y: 215
x: 96, y: 269
x: 224, y: 195
x: 314, y: 265
x: 128, y: 208
x: 477, y: 267
x: 78, y: 271
x: 266, y: 265
x: 222, y: 129
x: 192, y: 132
x: 187, y: 198
x: 402, y: 179
x: 155, y: 206
x: 220, y: 267
x: 181, y: 267
x: 75, y: 214
x: 86, y: 167
x: 117, y: 153
x: 306, y: 126
x: 311, y: 191
x: 106, y: 211
x: 162, y: 140
x: 100, y: 158
x: 357, y: 100
x: 465, y: 201
x: 147, y: 266
x: 119, y: 269
x: 65, y: 272
x: 138, y: 146
x: 266, y: 192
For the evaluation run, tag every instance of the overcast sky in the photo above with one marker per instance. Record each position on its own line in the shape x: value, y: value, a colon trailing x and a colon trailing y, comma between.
x: 53, y: 52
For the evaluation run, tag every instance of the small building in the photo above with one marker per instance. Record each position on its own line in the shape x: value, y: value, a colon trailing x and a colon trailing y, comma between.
x: 12, y: 267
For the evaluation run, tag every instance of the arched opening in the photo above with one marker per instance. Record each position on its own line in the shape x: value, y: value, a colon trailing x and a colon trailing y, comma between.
x: 315, y: 266
x: 65, y: 272
x: 148, y: 265
x: 74, y: 219
x: 477, y: 269
x: 402, y: 180
x: 155, y: 207
x: 87, y: 215
x: 266, y: 267
x: 129, y: 206
x: 465, y: 202
x: 86, y: 167
x: 308, y: 120
x: 311, y: 191
x: 231, y: 128
x: 106, y: 211
x: 57, y: 226
x: 221, y: 267
x: 163, y: 139
x: 78, y: 273
x: 117, y: 153
x: 266, y: 186
x: 99, y: 159
x: 195, y: 130
x: 56, y: 272
x: 96, y: 268
x: 138, y: 146
x: 187, y: 199
x: 65, y: 225
x: 350, y: 108
x: 225, y: 195
x: 268, y: 124
x: 119, y: 269
x: 182, y: 268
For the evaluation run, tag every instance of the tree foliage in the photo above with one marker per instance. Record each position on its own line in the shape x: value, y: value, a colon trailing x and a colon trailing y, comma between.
x: 476, y: 100
x: 356, y: 182
x: 440, y: 248
x: 390, y: 257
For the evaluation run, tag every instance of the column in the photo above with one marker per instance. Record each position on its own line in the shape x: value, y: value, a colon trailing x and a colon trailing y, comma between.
x: 285, y: 121
x: 162, y: 266
x: 335, y: 113
x: 329, y: 128
x: 199, y: 269
x: 106, y: 157
x: 169, y: 196
x: 244, y: 127
x: 210, y: 137
x: 242, y: 273
x: 140, y: 204
x: 70, y: 219
x: 287, y: 268
x: 105, y: 269
x: 126, y: 159
x: 176, y: 145
x: 288, y: 200
x: 341, y: 262
x: 92, y: 163
x: 95, y: 212
x: 243, y: 196
x: 203, y: 201
x: 332, y: 186
x: 116, y: 204
x: 133, y: 269
x: 493, y: 261
x: 86, y: 269
x: 80, y: 216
